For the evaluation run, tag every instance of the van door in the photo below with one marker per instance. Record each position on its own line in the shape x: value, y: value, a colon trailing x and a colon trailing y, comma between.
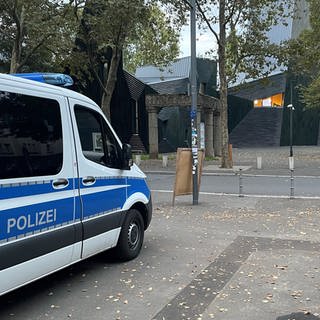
x: 37, y: 196
x: 102, y: 183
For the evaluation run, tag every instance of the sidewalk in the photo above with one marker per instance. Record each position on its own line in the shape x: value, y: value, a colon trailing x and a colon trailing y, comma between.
x: 227, y: 258
x: 274, y: 162
x: 246, y: 258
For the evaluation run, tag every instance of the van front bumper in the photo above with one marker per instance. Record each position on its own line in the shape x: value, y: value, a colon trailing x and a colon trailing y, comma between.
x: 149, y: 213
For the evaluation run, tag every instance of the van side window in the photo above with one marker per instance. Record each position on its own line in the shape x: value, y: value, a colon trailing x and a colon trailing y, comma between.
x: 97, y: 141
x: 30, y: 136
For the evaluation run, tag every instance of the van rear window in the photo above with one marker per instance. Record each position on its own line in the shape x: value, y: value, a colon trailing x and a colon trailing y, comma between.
x: 30, y: 136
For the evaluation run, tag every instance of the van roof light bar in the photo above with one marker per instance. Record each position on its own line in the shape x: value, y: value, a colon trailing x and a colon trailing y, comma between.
x: 57, y: 79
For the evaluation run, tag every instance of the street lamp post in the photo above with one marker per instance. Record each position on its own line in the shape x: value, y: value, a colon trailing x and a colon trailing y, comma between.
x: 193, y: 112
x: 291, y: 108
x: 194, y: 134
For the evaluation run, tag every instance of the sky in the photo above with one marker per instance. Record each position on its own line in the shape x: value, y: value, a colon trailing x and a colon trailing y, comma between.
x: 205, y: 42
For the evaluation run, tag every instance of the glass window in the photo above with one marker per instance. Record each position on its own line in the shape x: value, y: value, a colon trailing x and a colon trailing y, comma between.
x: 97, y: 141
x: 30, y: 136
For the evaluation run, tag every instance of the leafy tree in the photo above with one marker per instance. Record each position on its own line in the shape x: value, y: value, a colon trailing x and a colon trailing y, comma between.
x: 41, y: 35
x: 157, y: 44
x: 240, y: 29
x: 110, y: 27
x: 303, y: 57
x: 243, y: 44
x: 35, y: 29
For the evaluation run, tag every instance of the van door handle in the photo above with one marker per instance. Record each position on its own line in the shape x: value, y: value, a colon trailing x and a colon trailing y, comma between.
x: 88, y: 181
x: 60, y: 183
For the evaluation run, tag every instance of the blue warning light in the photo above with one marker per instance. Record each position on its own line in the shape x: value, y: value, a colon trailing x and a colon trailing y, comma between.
x: 57, y: 79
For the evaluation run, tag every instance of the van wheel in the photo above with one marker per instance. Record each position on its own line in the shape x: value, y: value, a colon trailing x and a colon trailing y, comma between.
x: 131, y: 236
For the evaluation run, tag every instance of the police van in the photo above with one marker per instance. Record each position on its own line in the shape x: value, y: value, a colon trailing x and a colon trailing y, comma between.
x: 68, y: 188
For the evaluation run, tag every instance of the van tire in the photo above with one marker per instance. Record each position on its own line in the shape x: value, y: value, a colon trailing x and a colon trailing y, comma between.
x: 131, y: 236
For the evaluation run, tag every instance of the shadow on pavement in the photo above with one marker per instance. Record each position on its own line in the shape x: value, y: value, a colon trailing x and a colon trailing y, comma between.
x: 57, y: 280
x: 298, y: 316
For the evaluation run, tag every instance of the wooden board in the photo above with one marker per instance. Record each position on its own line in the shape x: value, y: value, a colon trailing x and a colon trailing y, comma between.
x: 183, y: 184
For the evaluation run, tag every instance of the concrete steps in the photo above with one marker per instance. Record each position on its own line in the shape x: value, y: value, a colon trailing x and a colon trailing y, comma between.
x: 260, y: 128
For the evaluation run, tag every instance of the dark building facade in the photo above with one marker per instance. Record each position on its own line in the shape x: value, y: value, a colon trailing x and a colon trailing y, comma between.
x: 174, y: 122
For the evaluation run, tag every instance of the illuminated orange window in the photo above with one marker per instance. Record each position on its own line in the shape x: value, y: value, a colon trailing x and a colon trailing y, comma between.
x: 277, y: 100
x: 274, y: 101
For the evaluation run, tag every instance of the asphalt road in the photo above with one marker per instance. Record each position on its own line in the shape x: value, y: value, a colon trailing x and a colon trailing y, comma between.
x: 277, y: 186
x: 227, y: 258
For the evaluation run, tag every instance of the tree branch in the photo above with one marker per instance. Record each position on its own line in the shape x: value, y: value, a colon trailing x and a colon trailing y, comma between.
x: 240, y: 59
x: 7, y: 5
x: 232, y: 11
x: 15, y: 15
x: 93, y: 69
x: 207, y: 22
x: 34, y: 49
x: 96, y: 75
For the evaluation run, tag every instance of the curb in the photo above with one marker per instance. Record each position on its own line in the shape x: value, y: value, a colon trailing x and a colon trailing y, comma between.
x: 225, y: 173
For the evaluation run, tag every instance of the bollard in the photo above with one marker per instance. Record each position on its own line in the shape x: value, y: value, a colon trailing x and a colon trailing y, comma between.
x: 138, y: 159
x: 291, y: 184
x: 291, y: 163
x: 259, y: 162
x: 240, y: 184
x: 164, y: 161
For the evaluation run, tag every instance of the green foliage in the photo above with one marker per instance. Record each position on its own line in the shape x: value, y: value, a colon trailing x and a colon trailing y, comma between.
x: 35, y: 34
x: 305, y: 120
x: 157, y: 41
x: 249, y: 50
x: 141, y: 28
x: 311, y: 93
x: 303, y: 55
x: 145, y: 157
x: 137, y: 27
x: 242, y: 44
x: 106, y: 28
x: 113, y: 22
x: 211, y: 158
x: 46, y: 31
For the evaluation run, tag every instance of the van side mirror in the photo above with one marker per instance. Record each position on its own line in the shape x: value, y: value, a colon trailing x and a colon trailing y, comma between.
x: 127, y: 161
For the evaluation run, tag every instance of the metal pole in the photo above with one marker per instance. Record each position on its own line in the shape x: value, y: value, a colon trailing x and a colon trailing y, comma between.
x: 291, y: 184
x: 240, y: 184
x: 291, y: 130
x: 291, y: 115
x: 193, y: 113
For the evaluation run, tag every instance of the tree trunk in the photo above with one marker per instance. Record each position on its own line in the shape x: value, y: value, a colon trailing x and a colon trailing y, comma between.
x: 17, y: 46
x: 110, y: 82
x: 14, y: 58
x: 225, y: 159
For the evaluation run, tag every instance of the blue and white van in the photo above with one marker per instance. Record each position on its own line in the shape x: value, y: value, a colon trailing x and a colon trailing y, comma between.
x: 68, y: 189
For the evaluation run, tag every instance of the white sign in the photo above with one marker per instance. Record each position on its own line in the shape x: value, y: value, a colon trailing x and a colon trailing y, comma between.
x: 202, y: 132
